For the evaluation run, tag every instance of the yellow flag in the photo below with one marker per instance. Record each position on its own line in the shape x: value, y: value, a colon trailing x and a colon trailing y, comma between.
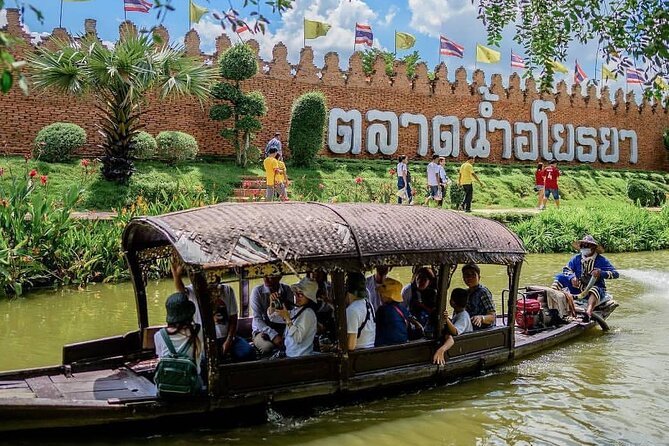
x: 607, y: 74
x: 660, y: 82
x: 195, y: 12
x: 557, y: 66
x: 487, y: 55
x: 404, y: 41
x: 314, y: 29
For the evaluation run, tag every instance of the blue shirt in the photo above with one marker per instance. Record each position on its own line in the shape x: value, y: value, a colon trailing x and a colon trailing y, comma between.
x: 391, y: 328
x: 480, y: 301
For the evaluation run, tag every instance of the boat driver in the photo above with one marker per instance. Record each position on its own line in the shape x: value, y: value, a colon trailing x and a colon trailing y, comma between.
x: 589, y: 263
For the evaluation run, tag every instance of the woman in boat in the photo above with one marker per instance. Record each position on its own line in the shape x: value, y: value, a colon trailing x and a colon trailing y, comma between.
x: 181, y: 329
x: 420, y: 297
x: 300, y: 321
x: 360, y: 318
x: 589, y: 263
x: 392, y: 316
x: 480, y: 304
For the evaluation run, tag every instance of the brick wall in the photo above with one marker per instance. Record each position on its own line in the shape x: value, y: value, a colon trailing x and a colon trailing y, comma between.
x: 281, y: 83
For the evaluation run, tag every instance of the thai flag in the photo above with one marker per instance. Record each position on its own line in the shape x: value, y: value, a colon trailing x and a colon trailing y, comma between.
x: 363, y: 35
x: 242, y: 29
x: 634, y: 76
x: 579, y: 74
x: 517, y: 61
x: 137, y: 5
x: 449, y: 48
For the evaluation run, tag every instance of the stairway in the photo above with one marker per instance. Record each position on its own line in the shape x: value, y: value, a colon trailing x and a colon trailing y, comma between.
x: 252, y: 188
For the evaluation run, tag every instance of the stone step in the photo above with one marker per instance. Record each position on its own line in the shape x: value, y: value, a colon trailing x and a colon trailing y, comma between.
x: 251, y: 178
x: 241, y: 192
x: 253, y: 184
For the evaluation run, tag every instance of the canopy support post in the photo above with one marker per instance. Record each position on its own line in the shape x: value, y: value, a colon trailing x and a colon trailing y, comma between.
x: 201, y: 287
x: 140, y: 289
x: 339, y: 297
x: 513, y: 271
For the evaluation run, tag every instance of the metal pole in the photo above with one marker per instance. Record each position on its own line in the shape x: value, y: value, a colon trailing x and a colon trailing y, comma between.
x: 60, y: 21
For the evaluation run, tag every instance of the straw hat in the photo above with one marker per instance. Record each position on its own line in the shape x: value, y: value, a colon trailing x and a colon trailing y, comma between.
x: 390, y: 289
x: 590, y: 240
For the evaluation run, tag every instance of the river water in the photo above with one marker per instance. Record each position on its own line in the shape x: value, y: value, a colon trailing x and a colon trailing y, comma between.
x: 601, y: 389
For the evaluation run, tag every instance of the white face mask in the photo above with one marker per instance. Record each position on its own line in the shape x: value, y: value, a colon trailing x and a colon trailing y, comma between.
x: 586, y: 252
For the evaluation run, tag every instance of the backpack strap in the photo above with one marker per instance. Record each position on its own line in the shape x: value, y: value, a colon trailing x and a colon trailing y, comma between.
x: 406, y: 322
x: 294, y: 318
x: 370, y: 313
x: 168, y: 341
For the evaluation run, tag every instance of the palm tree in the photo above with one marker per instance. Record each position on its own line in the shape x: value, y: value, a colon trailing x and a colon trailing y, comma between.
x: 119, y: 79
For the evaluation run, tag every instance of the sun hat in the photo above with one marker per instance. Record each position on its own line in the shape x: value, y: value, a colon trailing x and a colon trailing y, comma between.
x: 356, y: 285
x: 390, y: 289
x: 590, y: 240
x: 306, y: 286
x: 180, y: 310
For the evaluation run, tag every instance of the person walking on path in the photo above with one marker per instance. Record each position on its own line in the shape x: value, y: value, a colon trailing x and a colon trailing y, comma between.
x: 433, y: 181
x: 443, y: 180
x: 551, y: 175
x: 539, y: 178
x: 465, y: 179
x: 403, y: 180
x: 271, y: 165
x: 275, y: 143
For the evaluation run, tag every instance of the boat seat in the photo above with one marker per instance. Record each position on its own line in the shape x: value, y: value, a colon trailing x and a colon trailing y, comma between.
x: 147, y: 336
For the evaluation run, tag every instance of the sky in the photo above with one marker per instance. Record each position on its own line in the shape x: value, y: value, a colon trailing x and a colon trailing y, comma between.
x: 425, y: 19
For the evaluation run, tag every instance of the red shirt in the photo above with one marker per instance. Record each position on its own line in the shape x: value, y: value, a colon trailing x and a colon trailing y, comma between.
x: 539, y: 177
x: 551, y: 177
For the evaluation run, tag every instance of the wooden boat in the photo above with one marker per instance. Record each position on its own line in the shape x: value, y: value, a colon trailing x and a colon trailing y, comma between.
x: 110, y: 380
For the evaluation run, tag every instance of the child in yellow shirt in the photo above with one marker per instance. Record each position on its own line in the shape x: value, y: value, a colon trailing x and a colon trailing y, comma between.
x: 281, y: 179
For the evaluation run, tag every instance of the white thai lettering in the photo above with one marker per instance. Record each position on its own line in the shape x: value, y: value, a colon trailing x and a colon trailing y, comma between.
x: 379, y: 136
x: 351, y: 136
x: 423, y: 131
x: 446, y: 142
x: 585, y: 138
x: 631, y: 135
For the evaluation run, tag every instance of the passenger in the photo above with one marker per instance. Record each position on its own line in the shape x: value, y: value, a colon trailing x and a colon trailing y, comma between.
x: 325, y: 309
x: 360, y: 319
x: 267, y: 334
x: 420, y: 297
x: 589, y: 263
x: 374, y: 281
x: 300, y: 321
x: 459, y: 324
x: 392, y: 316
x: 225, y: 309
x: 181, y: 329
x: 480, y: 304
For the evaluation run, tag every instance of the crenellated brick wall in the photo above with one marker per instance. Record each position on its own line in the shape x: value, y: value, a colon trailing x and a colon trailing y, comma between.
x: 282, y: 83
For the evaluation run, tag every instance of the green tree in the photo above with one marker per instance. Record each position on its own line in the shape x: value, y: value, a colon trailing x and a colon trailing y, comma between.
x: 630, y: 33
x: 369, y: 56
x: 237, y: 64
x: 307, y: 127
x: 119, y: 80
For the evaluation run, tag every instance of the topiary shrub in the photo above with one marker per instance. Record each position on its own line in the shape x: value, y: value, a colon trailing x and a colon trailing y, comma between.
x: 58, y: 141
x: 307, y: 126
x: 144, y: 146
x: 456, y: 194
x: 175, y: 146
x: 641, y: 192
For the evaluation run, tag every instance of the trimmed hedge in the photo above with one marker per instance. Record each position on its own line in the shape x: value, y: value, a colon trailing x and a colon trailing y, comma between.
x: 144, y: 146
x: 645, y: 193
x: 57, y: 142
x: 175, y: 146
x: 307, y: 126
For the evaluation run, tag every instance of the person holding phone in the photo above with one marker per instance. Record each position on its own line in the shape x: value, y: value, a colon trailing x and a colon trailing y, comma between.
x: 268, y: 335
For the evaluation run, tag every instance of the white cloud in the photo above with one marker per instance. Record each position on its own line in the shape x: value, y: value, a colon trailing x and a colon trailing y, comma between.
x: 430, y: 16
x: 390, y: 15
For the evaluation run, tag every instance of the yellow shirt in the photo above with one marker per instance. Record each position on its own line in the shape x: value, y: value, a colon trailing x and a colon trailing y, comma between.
x: 280, y: 177
x: 270, y: 164
x: 466, y: 171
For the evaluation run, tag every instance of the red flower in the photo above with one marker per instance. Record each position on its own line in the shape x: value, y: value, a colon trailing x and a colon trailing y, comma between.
x: 359, y: 180
x: 321, y: 186
x: 85, y: 162
x: 43, y: 179
x: 33, y: 173
x: 392, y: 172
x: 246, y: 184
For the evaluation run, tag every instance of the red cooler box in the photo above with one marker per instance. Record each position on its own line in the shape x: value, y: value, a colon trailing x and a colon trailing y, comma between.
x: 527, y: 313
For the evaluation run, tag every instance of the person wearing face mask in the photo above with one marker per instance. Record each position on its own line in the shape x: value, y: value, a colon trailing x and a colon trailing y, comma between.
x: 589, y: 263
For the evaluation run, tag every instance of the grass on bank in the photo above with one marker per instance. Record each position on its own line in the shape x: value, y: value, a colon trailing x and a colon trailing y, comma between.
x: 505, y: 186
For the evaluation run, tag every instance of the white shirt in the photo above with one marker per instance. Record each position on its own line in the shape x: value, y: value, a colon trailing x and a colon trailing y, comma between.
x: 197, y: 317
x: 299, y: 337
x: 433, y: 174
x: 462, y: 322
x: 442, y: 174
x: 401, y: 170
x: 227, y: 299
x: 178, y: 340
x: 356, y: 313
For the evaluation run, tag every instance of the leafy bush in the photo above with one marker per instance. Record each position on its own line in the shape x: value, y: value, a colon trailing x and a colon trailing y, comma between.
x: 57, y: 142
x: 175, y: 146
x: 645, y: 193
x: 144, y: 146
x: 456, y: 194
x: 307, y: 126
x: 665, y: 138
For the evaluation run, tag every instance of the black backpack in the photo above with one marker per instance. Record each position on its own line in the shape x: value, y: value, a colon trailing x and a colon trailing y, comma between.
x: 176, y: 374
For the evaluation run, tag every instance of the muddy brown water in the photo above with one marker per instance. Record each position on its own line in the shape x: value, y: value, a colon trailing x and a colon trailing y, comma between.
x: 601, y: 389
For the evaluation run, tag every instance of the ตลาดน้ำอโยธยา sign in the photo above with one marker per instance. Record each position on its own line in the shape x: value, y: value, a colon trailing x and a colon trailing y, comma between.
x: 524, y: 141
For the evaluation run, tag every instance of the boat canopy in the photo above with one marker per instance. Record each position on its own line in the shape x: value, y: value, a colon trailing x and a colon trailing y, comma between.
x: 236, y: 236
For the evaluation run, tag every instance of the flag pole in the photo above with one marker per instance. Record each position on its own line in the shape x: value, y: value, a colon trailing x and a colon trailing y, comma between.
x: 476, y: 56
x: 125, y: 13
x: 304, y: 31
x: 395, y: 39
x: 60, y: 21
x: 190, y: 8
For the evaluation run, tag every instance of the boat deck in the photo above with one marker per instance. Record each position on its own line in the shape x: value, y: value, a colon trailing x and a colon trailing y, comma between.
x: 99, y: 385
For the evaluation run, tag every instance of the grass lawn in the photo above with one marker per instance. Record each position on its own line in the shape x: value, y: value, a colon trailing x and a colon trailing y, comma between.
x: 330, y: 180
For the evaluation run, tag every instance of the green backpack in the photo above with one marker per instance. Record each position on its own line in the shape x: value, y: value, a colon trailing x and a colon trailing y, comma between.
x: 176, y: 374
